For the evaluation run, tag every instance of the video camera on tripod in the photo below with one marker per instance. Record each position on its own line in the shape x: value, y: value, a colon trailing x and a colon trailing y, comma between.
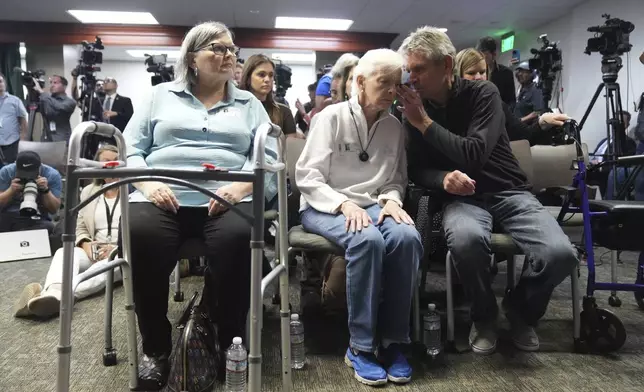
x: 29, y: 76
x: 90, y: 56
x: 611, y: 38
x: 547, y: 63
x: 283, y: 75
x: 157, y: 65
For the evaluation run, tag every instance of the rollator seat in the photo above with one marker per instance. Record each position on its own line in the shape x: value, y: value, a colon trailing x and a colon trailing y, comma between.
x: 621, y: 227
x: 635, y: 207
x: 300, y: 239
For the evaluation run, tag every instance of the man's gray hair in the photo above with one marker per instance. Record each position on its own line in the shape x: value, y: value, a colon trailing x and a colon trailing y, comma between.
x: 430, y: 42
x: 198, y: 37
x: 345, y: 61
x: 385, y: 61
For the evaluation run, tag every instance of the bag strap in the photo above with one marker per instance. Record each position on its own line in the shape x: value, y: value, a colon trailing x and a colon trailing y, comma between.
x: 186, y: 313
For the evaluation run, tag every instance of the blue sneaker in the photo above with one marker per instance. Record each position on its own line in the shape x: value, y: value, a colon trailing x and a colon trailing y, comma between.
x: 366, y: 367
x: 398, y: 369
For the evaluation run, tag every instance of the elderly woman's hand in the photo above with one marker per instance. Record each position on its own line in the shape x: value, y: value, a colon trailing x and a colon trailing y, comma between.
x: 357, y: 218
x: 393, y: 210
x: 232, y: 193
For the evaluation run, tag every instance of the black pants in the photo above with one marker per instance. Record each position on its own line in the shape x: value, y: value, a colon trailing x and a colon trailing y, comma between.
x: 156, y: 236
x: 9, y: 153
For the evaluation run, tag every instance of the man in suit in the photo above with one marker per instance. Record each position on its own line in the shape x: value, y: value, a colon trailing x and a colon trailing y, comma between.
x: 117, y: 109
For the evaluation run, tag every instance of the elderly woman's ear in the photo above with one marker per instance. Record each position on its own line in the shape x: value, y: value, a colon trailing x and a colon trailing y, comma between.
x: 360, y: 80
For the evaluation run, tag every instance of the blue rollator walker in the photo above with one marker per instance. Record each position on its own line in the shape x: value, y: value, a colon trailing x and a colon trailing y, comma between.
x: 615, y: 225
x: 79, y: 168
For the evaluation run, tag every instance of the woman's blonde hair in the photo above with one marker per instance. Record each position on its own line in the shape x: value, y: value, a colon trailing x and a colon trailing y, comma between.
x: 269, y: 103
x: 468, y: 58
x: 198, y: 37
x: 97, y: 156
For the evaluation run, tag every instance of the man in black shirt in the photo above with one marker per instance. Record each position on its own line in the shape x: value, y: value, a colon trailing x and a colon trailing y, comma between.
x: 458, y: 145
x: 500, y: 75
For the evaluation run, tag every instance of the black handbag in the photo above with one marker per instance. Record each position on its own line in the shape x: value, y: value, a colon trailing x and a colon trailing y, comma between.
x: 196, y: 359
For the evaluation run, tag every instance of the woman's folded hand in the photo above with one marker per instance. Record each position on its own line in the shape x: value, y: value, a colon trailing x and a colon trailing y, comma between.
x: 393, y: 210
x: 357, y: 218
x: 160, y: 195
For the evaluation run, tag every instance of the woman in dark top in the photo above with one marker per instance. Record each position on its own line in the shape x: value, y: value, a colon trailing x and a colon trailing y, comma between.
x: 471, y: 65
x: 258, y: 78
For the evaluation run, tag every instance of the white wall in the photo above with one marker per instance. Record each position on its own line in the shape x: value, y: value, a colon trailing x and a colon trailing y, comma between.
x: 582, y: 73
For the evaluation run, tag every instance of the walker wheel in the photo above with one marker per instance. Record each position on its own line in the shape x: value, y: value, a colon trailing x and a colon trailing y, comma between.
x: 602, y: 330
x: 109, y: 357
x: 614, y: 301
x: 639, y: 298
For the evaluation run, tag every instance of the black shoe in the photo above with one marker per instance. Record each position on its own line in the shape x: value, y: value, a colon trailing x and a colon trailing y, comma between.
x: 153, y: 373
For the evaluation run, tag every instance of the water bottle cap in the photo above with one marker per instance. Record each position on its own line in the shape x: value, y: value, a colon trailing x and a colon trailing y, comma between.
x: 237, y: 340
x: 431, y: 307
x: 295, y: 317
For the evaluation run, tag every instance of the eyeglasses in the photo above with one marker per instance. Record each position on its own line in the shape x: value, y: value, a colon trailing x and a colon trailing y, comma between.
x: 221, y: 49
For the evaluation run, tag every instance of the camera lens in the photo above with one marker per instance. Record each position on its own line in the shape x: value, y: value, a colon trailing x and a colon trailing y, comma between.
x: 29, y: 205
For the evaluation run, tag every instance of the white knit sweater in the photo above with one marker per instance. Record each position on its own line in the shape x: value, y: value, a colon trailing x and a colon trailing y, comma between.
x: 329, y: 171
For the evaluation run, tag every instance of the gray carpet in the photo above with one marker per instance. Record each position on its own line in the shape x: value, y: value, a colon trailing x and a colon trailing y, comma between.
x: 28, y: 359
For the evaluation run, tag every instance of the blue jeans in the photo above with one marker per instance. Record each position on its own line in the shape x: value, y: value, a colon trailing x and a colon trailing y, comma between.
x: 382, y: 264
x: 550, y: 257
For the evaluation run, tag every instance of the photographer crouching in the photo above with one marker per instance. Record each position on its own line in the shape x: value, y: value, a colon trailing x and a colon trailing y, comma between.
x: 29, y: 193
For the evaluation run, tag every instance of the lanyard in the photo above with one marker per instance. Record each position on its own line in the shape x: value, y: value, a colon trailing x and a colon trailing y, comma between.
x: 110, y: 215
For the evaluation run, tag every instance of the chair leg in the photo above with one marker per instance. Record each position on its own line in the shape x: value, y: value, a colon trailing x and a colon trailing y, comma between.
x: 511, y: 273
x: 450, y: 300
x: 576, y: 301
x: 109, y: 355
x: 416, y: 311
x: 178, y: 294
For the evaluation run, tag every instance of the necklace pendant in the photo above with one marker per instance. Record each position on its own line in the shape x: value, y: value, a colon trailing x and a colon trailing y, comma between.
x: 364, y: 156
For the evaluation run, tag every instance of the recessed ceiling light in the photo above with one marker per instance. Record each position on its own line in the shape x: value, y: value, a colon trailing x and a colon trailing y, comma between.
x: 113, y: 17
x: 140, y: 53
x: 286, y: 22
x: 254, y: 11
x: 294, y: 57
x: 443, y: 29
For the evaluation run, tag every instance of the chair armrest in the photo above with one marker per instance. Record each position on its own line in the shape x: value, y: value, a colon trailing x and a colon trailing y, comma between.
x: 556, y: 190
x: 270, y: 215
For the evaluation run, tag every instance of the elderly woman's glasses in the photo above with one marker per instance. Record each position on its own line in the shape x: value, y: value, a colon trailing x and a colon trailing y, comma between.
x: 221, y: 49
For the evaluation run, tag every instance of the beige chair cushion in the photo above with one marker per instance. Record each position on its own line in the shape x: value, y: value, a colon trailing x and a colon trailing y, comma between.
x: 301, y: 240
x: 552, y: 165
x: 294, y: 148
x: 503, y: 243
x: 521, y: 151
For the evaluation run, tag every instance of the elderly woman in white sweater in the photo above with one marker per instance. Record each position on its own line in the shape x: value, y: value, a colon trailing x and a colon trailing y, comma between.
x: 352, y: 175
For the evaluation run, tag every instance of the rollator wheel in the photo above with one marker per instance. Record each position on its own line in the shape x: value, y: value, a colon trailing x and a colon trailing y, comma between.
x: 178, y: 297
x: 606, y: 333
x: 639, y: 298
x: 109, y: 357
x: 614, y: 301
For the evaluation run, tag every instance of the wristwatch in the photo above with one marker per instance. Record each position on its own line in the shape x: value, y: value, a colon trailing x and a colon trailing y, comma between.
x: 43, y: 191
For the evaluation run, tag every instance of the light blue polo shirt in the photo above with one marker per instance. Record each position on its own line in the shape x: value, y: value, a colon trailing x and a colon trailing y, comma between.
x: 11, y: 110
x: 54, y: 182
x: 173, y: 129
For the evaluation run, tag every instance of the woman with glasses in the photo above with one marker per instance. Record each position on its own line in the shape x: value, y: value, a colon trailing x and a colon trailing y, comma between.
x: 199, y: 118
x: 258, y: 77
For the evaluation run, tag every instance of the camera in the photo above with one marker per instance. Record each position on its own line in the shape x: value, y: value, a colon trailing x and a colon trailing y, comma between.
x: 611, y: 38
x: 90, y: 56
x: 157, y: 65
x: 546, y: 62
x: 29, y: 76
x: 27, y: 170
x: 282, y: 80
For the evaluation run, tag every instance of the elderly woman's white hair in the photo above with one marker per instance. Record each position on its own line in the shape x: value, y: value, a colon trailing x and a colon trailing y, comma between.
x: 346, y: 60
x: 385, y: 61
x: 431, y: 42
x: 198, y: 37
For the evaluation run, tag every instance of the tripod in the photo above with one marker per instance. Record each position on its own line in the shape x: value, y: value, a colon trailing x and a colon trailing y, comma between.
x: 615, y: 127
x: 91, y: 110
x: 33, y: 106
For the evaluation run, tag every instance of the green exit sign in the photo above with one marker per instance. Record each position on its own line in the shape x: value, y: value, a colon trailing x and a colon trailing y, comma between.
x: 507, y: 43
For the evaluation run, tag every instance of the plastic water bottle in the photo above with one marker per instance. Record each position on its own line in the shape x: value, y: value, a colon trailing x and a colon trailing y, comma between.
x: 298, y: 358
x: 432, y: 332
x: 236, y: 366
